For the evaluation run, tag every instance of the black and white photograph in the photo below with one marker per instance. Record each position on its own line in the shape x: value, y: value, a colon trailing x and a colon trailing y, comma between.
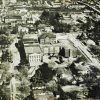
x: 49, y: 49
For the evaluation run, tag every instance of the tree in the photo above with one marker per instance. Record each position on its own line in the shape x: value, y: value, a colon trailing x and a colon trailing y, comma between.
x: 45, y: 15
x: 62, y: 52
x: 15, y: 30
x: 5, y: 80
x: 4, y: 93
x: 24, y: 86
x: 4, y: 39
x: 20, y: 47
x: 37, y: 24
x: 43, y: 75
x: 6, y: 56
x: 30, y: 97
x: 5, y: 66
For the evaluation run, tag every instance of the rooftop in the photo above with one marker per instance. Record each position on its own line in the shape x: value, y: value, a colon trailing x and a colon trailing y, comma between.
x: 71, y: 88
x: 44, y: 35
x: 30, y: 49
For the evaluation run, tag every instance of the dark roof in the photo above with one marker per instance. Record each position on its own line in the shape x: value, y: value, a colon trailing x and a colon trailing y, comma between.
x: 44, y: 35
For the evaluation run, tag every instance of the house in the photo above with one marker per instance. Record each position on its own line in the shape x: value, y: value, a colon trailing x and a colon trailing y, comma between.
x: 23, y: 29
x: 41, y: 91
x: 68, y: 91
x: 47, y: 38
x: 30, y: 39
x: 33, y: 54
x: 9, y: 18
x: 3, y: 25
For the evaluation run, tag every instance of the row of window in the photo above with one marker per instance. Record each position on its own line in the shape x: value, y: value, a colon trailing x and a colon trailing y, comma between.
x: 51, y: 50
x: 34, y: 58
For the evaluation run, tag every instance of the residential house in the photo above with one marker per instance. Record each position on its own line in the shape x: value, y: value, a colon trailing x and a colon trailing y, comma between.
x: 47, y: 38
x: 40, y: 91
x: 8, y: 19
x: 3, y: 25
x: 30, y: 39
x: 23, y: 29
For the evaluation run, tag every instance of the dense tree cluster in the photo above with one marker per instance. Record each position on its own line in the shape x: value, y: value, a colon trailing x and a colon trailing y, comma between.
x: 20, y: 47
x: 4, y: 39
x: 43, y: 75
x: 5, y: 81
x: 22, y: 77
x: 54, y: 19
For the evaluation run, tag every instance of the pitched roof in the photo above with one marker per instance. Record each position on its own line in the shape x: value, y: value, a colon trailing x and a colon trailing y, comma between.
x: 13, y: 17
x: 44, y: 35
x: 30, y: 49
x: 71, y: 88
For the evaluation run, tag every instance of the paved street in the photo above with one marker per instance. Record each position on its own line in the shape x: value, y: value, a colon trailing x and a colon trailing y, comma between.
x: 81, y: 47
x: 16, y: 61
x: 16, y: 56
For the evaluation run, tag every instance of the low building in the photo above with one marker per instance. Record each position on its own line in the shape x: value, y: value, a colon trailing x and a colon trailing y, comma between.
x: 72, y: 92
x: 3, y: 25
x: 51, y: 49
x: 8, y: 19
x: 41, y: 93
x: 47, y: 38
x: 71, y: 53
x: 23, y: 29
x: 30, y: 39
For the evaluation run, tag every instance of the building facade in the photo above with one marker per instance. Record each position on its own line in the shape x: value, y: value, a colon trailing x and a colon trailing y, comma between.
x: 33, y: 54
x: 35, y: 59
x: 47, y: 38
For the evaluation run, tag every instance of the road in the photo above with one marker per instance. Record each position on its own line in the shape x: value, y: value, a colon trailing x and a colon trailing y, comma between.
x: 16, y: 61
x: 91, y: 7
x: 84, y: 50
x: 81, y: 47
x: 15, y: 54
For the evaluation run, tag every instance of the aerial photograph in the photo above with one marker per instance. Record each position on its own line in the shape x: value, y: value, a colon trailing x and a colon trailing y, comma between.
x: 49, y: 49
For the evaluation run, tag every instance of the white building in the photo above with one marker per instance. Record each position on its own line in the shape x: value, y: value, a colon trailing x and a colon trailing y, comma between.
x: 33, y: 54
x: 35, y: 59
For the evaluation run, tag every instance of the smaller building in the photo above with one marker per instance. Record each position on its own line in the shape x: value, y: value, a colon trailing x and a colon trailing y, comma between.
x: 10, y: 18
x: 30, y: 39
x: 72, y: 92
x: 47, y: 38
x: 23, y: 29
x: 3, y: 25
x: 41, y: 93
x: 51, y: 49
